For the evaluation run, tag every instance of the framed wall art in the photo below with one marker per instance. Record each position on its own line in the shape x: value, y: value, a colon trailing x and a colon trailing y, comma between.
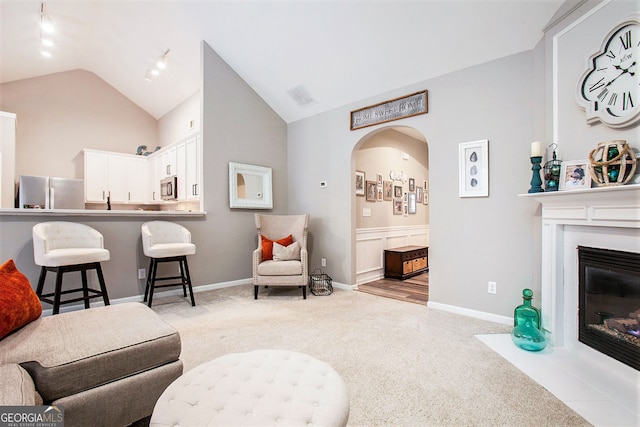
x: 397, y: 206
x: 419, y: 194
x: 359, y: 183
x: 574, y: 175
x: 372, y: 190
x: 473, y: 158
x: 397, y: 191
x: 412, y: 184
x: 412, y: 203
x: 387, y: 188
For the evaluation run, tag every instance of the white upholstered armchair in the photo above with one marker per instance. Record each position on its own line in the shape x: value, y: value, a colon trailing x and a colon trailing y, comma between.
x: 281, y: 258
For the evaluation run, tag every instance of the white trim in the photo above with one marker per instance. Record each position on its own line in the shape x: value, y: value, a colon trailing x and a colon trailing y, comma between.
x: 471, y: 313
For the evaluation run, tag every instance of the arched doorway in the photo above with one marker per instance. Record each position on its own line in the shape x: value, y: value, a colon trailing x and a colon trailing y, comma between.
x: 395, y: 162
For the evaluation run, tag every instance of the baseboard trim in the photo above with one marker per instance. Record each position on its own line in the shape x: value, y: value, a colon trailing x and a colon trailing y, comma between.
x: 175, y: 292
x: 471, y: 313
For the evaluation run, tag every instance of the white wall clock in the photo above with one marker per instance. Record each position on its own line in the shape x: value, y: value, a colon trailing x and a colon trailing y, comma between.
x: 609, y: 90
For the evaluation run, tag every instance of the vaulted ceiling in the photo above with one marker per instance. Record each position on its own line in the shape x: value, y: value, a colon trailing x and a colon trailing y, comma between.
x: 338, y: 51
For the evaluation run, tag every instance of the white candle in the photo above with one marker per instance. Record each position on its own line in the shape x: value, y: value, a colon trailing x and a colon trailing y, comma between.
x: 536, y: 149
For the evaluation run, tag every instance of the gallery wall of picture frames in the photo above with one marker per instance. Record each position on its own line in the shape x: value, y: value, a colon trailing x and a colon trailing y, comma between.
x: 403, y: 192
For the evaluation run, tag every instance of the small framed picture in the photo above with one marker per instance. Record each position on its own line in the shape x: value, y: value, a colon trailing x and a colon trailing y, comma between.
x: 425, y: 186
x: 387, y: 188
x: 412, y: 185
x: 397, y: 191
x: 397, y: 206
x: 379, y: 176
x: 574, y: 176
x: 359, y: 183
x: 412, y: 203
x: 425, y: 198
x: 380, y: 196
x: 473, y: 159
x: 418, y: 195
x: 372, y: 190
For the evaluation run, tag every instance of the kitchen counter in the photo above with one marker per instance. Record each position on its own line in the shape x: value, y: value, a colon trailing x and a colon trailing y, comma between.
x: 99, y: 213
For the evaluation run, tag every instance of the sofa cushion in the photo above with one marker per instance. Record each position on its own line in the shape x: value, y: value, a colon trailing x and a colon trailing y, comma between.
x: 286, y: 253
x: 17, y: 388
x: 280, y: 268
x: 73, y: 352
x: 19, y: 305
x: 267, y: 245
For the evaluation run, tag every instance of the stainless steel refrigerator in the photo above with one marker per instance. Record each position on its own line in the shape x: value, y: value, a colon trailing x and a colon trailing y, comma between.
x: 43, y: 192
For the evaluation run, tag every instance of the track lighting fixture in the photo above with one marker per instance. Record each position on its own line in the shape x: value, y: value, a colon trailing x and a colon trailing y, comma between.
x: 46, y: 27
x: 45, y: 20
x: 161, y: 64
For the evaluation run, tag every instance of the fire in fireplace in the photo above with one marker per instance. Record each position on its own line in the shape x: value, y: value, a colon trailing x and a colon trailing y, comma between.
x: 609, y: 303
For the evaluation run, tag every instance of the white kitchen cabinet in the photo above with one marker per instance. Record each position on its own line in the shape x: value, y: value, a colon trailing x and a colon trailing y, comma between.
x: 96, y: 186
x: 155, y: 162
x: 192, y: 168
x: 121, y: 177
x: 181, y: 171
x: 137, y: 179
x: 169, y: 161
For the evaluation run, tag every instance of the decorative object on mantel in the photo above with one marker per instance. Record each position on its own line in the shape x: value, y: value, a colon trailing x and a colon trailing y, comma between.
x: 527, y: 331
x: 536, y: 159
x: 387, y: 111
x: 573, y: 175
x: 612, y: 163
x: 552, y: 171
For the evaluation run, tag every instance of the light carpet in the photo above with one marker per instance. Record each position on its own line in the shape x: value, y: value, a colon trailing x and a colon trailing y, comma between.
x: 404, y: 364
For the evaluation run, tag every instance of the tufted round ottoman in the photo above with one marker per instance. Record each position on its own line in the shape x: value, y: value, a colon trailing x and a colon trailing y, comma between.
x: 258, y: 388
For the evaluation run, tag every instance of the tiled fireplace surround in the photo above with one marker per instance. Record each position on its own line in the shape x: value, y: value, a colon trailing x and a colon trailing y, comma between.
x: 598, y: 387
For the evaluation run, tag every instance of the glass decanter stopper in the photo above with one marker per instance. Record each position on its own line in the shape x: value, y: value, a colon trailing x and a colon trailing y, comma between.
x: 526, y: 311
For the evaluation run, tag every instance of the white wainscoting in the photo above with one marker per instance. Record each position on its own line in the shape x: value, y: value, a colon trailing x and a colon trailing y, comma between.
x: 371, y: 243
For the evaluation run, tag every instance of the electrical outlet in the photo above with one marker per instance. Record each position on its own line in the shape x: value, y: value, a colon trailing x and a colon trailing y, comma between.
x: 492, y: 287
x: 324, y: 262
x: 142, y: 273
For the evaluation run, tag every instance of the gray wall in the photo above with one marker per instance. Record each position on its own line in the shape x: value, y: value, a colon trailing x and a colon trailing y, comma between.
x: 472, y: 241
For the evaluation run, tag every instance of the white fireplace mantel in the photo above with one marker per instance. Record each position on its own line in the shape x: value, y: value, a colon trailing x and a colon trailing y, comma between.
x: 615, y: 210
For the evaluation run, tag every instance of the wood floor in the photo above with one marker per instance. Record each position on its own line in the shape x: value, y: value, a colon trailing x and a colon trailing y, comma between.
x: 415, y: 289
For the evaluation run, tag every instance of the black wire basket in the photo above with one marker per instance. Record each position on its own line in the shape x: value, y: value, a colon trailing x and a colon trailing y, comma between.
x: 320, y: 283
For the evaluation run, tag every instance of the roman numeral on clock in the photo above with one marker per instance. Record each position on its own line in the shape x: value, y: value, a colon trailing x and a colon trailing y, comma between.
x: 625, y: 39
x: 627, y: 101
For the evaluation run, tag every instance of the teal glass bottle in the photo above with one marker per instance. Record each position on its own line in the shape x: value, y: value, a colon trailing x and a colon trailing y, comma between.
x: 527, y: 336
x: 527, y: 332
x: 526, y: 311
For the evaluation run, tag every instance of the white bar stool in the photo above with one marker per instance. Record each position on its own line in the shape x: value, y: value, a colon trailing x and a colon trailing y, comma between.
x: 164, y: 241
x: 62, y: 247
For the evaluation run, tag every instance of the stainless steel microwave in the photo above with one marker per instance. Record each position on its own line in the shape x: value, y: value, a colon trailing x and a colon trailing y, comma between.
x: 169, y: 188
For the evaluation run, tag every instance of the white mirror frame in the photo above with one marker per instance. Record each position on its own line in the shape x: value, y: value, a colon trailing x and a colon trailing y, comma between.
x: 265, y: 202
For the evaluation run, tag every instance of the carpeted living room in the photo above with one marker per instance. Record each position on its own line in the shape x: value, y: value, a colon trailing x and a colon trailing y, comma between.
x: 434, y: 132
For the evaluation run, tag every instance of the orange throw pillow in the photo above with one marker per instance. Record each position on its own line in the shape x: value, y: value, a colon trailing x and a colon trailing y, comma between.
x: 267, y: 246
x: 19, y: 305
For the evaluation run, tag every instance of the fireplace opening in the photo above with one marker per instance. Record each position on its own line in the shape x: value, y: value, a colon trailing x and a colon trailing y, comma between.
x: 609, y: 303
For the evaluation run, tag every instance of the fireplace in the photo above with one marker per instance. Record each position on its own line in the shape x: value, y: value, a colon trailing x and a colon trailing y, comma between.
x: 609, y: 303
x: 603, y: 218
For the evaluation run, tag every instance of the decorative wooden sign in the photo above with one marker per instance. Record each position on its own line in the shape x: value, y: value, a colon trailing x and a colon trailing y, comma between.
x: 395, y: 109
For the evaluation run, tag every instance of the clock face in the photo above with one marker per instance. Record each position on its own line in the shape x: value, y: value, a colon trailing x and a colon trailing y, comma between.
x: 610, y: 89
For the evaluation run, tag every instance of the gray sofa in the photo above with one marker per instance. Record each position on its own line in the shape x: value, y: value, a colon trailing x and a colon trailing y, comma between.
x: 106, y: 366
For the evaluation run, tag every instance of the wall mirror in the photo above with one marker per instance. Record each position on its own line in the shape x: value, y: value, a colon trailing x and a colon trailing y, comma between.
x: 249, y: 186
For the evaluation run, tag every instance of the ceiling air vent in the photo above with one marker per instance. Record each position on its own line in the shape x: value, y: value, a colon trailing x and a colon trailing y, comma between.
x: 301, y: 95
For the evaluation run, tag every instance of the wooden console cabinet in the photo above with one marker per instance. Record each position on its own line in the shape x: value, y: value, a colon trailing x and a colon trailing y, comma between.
x: 406, y: 261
